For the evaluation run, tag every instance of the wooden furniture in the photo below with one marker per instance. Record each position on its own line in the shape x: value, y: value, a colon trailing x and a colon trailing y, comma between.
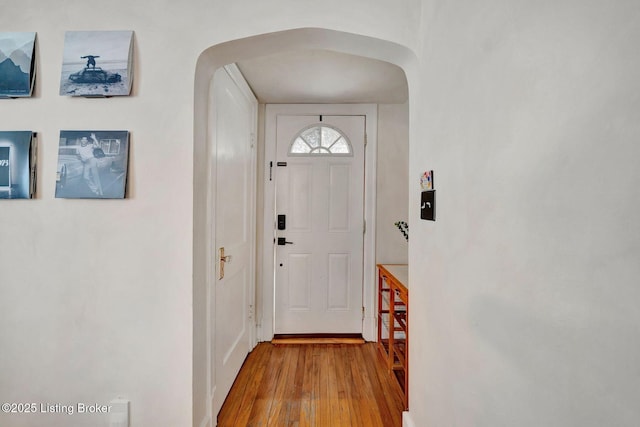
x: 393, y: 322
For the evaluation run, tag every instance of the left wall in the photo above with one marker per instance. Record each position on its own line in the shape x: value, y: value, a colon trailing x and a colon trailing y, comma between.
x: 95, y: 294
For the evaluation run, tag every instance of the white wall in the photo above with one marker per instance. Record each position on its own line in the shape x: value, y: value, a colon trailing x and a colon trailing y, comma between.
x: 525, y: 290
x: 392, y: 182
x: 96, y: 297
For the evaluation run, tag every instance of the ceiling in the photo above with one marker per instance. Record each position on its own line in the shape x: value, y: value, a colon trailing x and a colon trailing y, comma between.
x: 323, y: 77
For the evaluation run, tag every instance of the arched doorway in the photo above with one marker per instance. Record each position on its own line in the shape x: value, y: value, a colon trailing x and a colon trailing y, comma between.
x: 211, y: 60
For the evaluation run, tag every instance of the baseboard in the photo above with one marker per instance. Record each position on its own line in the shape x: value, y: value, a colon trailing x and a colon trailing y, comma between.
x: 317, y: 339
x: 406, y: 420
x: 281, y: 336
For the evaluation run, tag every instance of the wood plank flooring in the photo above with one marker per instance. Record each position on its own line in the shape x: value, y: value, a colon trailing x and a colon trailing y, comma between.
x: 313, y: 385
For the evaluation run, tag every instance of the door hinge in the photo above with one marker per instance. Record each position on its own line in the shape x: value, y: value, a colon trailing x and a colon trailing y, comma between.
x: 363, y: 313
x: 365, y: 139
x: 364, y: 226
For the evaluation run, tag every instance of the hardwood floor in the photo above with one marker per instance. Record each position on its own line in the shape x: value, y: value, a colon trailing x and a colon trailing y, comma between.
x: 321, y: 385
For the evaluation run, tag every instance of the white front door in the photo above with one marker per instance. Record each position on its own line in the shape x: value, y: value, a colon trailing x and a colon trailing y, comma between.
x: 319, y: 247
x: 233, y: 125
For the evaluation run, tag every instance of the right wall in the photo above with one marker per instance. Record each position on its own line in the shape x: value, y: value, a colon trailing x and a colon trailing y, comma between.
x: 525, y: 292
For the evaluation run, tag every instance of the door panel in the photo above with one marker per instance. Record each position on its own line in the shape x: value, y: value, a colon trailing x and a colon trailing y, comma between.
x: 233, y: 124
x: 300, y: 179
x: 339, y: 275
x: 319, y: 276
x: 299, y: 279
x: 339, y: 185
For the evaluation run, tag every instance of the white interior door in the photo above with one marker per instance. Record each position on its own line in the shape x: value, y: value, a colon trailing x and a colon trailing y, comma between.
x: 320, y: 191
x: 234, y: 122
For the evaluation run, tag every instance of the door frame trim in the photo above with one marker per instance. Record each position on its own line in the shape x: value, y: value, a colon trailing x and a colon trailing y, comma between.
x: 272, y: 111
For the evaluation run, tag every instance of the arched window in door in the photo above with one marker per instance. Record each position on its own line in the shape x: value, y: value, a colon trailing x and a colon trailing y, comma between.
x: 320, y: 140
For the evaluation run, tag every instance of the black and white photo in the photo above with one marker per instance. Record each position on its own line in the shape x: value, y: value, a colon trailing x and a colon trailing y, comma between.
x: 17, y: 64
x: 92, y: 164
x: 97, y: 63
x: 17, y: 164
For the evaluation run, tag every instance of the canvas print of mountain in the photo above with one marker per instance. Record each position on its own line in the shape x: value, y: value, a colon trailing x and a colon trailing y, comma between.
x: 97, y: 63
x: 92, y: 164
x: 17, y: 164
x: 17, y: 64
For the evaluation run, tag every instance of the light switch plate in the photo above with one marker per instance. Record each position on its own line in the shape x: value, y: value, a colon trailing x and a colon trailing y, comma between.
x: 428, y: 205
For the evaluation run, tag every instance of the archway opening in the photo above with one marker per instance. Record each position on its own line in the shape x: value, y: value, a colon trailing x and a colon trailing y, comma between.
x: 209, y: 61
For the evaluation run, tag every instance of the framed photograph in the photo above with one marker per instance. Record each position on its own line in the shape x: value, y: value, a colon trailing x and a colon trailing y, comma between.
x: 92, y: 164
x: 97, y: 63
x: 17, y: 64
x: 17, y: 164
